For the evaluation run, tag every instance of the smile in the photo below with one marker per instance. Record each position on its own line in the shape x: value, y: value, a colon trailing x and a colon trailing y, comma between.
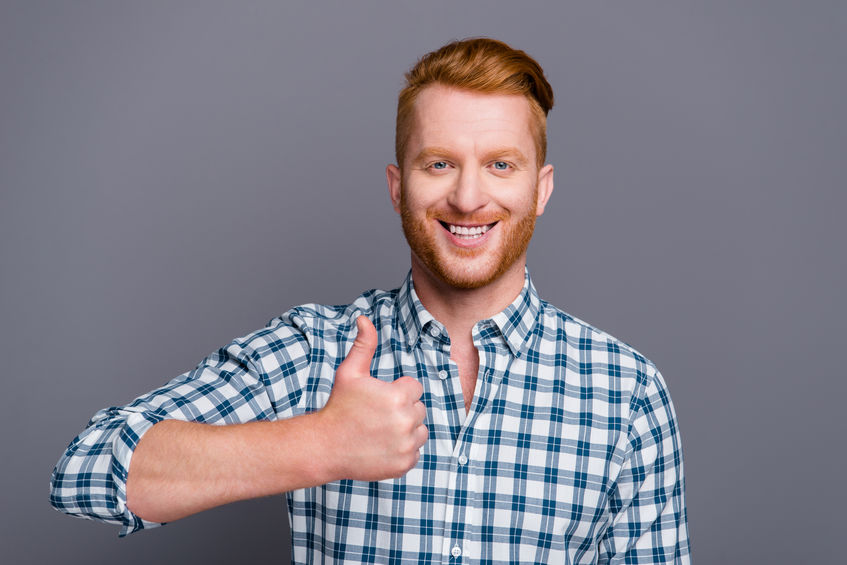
x: 467, y: 232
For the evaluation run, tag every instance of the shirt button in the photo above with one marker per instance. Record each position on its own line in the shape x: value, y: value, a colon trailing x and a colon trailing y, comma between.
x: 434, y: 332
x: 456, y: 551
x: 442, y: 375
x: 463, y: 459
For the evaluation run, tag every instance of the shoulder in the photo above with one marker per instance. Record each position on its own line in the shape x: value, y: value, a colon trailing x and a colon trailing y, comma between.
x: 313, y: 325
x: 323, y: 320
x: 593, y: 352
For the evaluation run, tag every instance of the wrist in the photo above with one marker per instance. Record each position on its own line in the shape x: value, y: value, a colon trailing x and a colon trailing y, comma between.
x: 319, y: 452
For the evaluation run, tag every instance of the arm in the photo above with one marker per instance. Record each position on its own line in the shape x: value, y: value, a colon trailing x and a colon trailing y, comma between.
x: 368, y: 430
x: 181, y: 468
x: 649, y: 523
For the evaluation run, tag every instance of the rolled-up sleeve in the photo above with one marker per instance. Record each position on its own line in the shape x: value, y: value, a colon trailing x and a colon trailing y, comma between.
x: 252, y: 379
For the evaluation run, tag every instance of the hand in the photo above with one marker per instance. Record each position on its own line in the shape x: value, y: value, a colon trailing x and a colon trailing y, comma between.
x: 374, y: 429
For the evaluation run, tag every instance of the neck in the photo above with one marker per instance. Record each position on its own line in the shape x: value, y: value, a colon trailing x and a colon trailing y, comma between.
x: 459, y: 309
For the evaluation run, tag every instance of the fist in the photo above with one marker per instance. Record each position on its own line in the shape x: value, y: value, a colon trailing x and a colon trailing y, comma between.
x: 375, y: 429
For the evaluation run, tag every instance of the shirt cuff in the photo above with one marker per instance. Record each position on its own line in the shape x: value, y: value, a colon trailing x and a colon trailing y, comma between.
x: 124, y: 445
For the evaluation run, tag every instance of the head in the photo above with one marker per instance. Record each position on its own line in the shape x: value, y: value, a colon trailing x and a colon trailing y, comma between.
x: 470, y: 178
x: 481, y: 65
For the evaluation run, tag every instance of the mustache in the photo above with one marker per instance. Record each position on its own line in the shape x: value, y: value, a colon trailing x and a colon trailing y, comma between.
x: 466, y: 219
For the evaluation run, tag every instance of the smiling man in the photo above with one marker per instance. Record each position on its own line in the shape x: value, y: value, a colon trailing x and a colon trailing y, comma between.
x: 458, y: 418
x: 472, y: 188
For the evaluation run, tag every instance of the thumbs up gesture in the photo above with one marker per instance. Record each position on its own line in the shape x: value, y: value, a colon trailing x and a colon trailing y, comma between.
x: 374, y: 429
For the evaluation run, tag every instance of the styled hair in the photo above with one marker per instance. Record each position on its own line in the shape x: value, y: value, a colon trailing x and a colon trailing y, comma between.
x: 480, y: 65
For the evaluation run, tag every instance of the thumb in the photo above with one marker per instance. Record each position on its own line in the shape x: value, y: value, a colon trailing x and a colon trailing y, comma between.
x: 358, y: 360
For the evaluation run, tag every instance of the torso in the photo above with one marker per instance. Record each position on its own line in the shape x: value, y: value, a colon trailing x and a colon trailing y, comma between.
x: 466, y: 356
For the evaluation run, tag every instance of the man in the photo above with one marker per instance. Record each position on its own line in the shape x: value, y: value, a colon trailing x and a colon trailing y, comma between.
x: 458, y: 418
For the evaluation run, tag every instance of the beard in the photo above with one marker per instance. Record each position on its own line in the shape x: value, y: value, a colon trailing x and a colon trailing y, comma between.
x: 468, y: 268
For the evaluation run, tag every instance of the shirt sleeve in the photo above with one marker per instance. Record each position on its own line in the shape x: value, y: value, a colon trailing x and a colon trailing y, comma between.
x: 649, y: 523
x: 251, y: 379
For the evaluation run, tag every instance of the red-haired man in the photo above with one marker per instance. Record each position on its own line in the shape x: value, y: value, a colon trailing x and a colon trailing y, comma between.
x: 458, y: 417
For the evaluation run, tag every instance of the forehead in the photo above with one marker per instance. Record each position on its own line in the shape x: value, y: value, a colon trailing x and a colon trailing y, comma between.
x: 465, y: 120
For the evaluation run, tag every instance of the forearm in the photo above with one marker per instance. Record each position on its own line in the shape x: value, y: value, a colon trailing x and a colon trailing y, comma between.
x: 151, y: 461
x: 181, y: 468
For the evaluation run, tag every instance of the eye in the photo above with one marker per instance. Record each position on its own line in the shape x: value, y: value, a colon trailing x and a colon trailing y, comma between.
x: 501, y: 165
x: 439, y: 165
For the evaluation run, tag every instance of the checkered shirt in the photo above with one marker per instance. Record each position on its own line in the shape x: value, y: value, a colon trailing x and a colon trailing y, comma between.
x: 570, y: 452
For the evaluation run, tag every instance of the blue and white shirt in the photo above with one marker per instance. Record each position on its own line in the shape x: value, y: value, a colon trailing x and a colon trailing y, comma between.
x: 570, y: 452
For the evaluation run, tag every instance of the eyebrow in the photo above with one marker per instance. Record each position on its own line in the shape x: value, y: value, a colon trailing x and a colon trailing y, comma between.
x: 505, y: 152
x: 428, y: 153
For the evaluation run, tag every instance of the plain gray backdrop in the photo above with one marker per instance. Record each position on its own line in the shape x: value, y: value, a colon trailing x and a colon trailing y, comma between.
x: 175, y: 174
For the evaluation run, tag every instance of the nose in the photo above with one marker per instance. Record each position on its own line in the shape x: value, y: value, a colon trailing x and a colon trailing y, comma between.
x: 469, y: 192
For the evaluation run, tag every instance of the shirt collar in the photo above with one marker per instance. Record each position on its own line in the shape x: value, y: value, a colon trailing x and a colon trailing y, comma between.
x: 515, y: 323
x: 413, y: 316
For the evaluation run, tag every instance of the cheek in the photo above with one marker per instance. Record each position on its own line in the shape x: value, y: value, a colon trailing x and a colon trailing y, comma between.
x: 519, y: 200
x: 422, y: 197
x: 413, y: 207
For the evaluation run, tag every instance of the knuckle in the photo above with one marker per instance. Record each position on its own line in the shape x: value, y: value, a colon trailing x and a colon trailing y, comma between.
x: 408, y: 422
x: 410, y: 382
x: 411, y: 446
x: 397, y: 401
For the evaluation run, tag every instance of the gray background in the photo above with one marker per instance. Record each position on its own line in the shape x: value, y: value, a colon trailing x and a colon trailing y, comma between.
x: 174, y: 174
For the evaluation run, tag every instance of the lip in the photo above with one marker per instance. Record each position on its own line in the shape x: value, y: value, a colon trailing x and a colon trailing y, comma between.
x: 467, y: 243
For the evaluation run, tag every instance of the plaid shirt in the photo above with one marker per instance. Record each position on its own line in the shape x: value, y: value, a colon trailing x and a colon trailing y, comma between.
x: 570, y: 452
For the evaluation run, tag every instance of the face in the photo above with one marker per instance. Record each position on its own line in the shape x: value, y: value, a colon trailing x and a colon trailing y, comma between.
x: 469, y: 189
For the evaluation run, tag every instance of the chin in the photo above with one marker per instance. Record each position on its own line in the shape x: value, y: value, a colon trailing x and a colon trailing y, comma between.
x: 464, y: 277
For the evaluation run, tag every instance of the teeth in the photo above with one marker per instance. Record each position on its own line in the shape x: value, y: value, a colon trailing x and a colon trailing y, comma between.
x: 468, y: 233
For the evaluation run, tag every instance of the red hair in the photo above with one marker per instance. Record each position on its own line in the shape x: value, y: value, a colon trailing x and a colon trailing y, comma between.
x: 479, y: 65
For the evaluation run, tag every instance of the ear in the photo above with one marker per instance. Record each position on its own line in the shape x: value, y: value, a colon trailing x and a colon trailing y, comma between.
x: 394, y: 178
x: 545, y: 187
